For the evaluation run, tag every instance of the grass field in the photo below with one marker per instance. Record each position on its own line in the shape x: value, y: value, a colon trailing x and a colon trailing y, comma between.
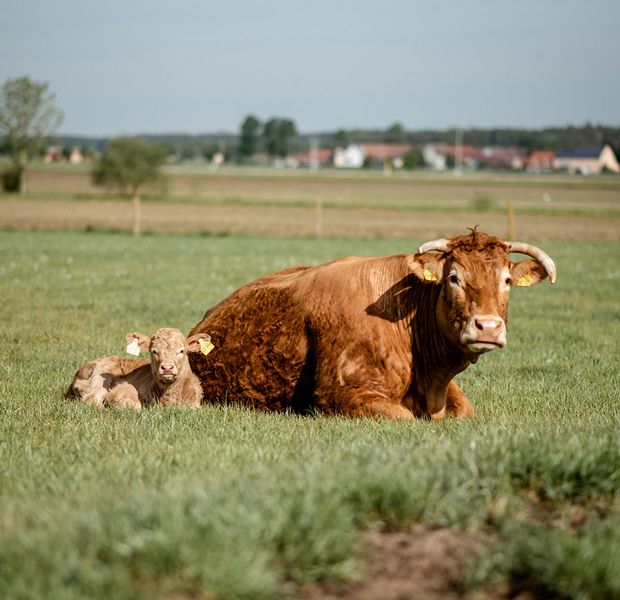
x: 227, y: 503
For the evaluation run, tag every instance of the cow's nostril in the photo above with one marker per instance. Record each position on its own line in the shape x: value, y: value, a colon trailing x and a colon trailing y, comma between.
x: 488, y: 324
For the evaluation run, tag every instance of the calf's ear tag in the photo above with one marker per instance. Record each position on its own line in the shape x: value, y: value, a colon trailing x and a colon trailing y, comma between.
x: 205, y: 346
x: 133, y: 348
x: 525, y: 281
x: 428, y: 276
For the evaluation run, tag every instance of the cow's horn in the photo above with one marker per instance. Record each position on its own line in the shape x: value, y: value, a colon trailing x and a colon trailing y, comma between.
x: 540, y: 255
x: 440, y: 245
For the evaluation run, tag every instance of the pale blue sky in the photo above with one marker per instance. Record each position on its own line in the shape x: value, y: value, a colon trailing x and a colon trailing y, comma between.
x: 202, y: 66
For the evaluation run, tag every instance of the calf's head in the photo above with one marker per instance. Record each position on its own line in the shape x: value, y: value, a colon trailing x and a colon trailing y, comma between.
x: 475, y: 275
x: 168, y: 348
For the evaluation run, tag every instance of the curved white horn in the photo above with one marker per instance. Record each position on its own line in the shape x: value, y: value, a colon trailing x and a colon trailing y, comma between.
x: 540, y: 255
x: 441, y: 245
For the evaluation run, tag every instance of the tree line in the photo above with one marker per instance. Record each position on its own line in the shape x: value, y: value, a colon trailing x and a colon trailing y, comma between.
x: 268, y: 139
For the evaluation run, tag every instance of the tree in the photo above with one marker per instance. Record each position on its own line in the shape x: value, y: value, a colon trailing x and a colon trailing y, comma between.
x: 248, y: 140
x: 395, y: 134
x: 278, y: 134
x: 413, y: 159
x: 28, y: 116
x: 126, y: 165
x: 341, y: 138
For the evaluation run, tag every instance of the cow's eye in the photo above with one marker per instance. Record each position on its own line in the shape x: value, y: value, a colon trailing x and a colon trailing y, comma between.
x: 453, y: 279
x: 508, y: 281
x: 154, y: 352
x: 182, y: 351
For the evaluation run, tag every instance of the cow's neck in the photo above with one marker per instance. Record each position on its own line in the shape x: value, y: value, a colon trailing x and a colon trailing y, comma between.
x: 436, y: 360
x: 161, y: 390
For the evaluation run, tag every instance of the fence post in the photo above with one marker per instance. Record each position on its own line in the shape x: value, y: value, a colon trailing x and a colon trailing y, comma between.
x: 512, y: 225
x: 318, y: 218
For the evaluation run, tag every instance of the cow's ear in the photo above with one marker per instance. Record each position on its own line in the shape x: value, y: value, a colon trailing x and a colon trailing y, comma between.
x: 527, y: 273
x: 427, y: 267
x: 139, y: 340
x: 197, y: 342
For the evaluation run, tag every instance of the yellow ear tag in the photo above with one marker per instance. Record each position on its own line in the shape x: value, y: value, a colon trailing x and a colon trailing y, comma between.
x: 428, y: 276
x: 133, y: 348
x: 525, y: 281
x: 205, y: 347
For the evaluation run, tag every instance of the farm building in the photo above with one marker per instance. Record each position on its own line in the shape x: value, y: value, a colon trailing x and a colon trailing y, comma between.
x: 324, y: 157
x: 540, y: 161
x: 588, y: 160
x: 439, y: 156
x: 378, y: 154
x: 351, y: 157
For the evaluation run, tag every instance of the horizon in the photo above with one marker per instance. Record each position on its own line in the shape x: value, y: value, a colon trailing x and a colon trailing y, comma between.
x: 331, y: 132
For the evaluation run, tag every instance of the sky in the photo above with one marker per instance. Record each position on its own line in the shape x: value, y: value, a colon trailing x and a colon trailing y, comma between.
x: 148, y: 66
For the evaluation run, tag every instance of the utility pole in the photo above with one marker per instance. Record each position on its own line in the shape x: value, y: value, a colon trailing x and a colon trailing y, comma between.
x: 314, y: 154
x: 458, y: 151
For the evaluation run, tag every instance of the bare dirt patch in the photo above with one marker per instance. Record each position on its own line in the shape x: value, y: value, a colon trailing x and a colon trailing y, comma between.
x: 419, y: 562
x: 272, y: 220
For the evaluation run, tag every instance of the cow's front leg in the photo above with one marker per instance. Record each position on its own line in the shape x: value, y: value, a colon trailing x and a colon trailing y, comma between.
x: 457, y: 404
x: 381, y: 407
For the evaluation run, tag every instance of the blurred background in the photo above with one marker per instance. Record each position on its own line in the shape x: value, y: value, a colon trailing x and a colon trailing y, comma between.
x: 353, y: 118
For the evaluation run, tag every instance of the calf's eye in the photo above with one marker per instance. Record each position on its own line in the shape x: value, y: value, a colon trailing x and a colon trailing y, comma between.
x: 453, y: 279
x: 508, y: 281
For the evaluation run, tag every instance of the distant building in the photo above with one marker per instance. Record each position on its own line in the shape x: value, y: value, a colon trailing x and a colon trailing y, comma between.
x: 76, y: 157
x: 351, y: 157
x: 440, y: 156
x: 540, y: 161
x: 380, y: 154
x: 217, y: 160
x: 54, y: 154
x: 503, y: 157
x: 588, y: 161
x: 324, y: 157
x: 434, y: 157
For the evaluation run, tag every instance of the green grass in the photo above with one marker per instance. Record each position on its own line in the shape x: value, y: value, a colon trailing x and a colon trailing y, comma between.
x: 479, y: 203
x: 237, y: 504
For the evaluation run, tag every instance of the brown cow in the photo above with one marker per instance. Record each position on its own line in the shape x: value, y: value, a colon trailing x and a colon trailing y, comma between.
x: 367, y: 335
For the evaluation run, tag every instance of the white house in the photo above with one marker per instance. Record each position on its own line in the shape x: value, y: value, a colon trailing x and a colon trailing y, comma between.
x: 351, y: 157
x: 588, y: 160
x: 434, y: 158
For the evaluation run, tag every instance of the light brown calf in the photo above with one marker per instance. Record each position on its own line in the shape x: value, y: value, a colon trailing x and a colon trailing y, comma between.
x: 166, y: 379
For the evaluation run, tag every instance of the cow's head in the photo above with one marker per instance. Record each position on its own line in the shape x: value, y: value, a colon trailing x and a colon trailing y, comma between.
x: 475, y: 274
x: 168, y: 348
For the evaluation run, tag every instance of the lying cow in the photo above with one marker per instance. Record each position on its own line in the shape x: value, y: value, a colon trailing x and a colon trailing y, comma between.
x: 165, y: 379
x: 367, y: 336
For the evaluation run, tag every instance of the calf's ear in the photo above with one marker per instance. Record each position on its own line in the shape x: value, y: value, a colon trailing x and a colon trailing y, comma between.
x: 138, y: 339
x: 527, y: 273
x: 427, y: 267
x: 193, y: 342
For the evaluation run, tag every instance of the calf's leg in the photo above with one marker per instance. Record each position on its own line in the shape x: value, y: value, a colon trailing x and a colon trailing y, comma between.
x: 124, y: 395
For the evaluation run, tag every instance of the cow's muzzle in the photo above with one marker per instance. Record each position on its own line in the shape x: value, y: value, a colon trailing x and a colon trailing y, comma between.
x: 483, y: 333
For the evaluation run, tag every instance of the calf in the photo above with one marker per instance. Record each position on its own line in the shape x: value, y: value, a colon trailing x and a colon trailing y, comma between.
x: 166, y: 379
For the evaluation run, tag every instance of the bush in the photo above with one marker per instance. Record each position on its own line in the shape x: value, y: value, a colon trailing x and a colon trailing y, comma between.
x: 11, y: 179
x: 482, y: 202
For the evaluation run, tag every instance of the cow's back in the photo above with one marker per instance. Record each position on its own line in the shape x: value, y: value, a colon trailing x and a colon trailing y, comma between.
x: 260, y: 344
x: 268, y: 334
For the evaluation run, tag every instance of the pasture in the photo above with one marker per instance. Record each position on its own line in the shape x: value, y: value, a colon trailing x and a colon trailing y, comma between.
x: 354, y: 204
x: 227, y: 503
